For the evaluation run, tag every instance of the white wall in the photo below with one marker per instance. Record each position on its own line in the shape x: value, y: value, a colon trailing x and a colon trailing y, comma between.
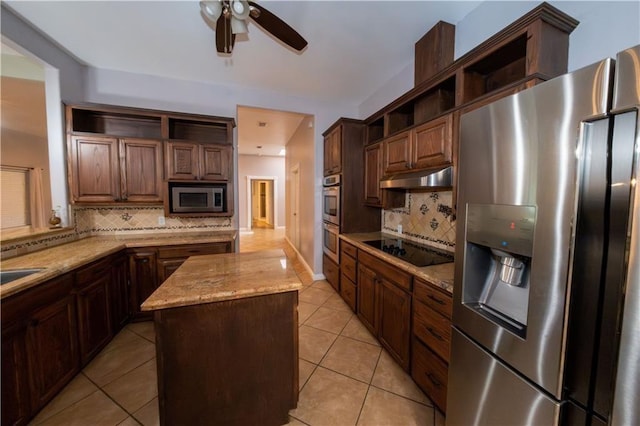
x: 252, y: 165
x: 606, y: 27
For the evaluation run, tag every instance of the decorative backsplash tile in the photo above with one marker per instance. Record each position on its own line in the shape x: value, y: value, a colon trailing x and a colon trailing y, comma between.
x: 136, y: 220
x: 426, y: 218
x: 119, y: 220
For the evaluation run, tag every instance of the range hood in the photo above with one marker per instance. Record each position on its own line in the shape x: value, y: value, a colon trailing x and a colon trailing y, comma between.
x: 438, y: 178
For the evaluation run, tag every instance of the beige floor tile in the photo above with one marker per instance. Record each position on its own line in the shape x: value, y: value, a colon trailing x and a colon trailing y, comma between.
x: 352, y: 358
x: 305, y: 310
x: 385, y: 408
x: 389, y: 376
x: 148, y: 415
x: 143, y: 329
x: 79, y: 388
x: 314, y: 295
x: 136, y: 388
x: 305, y: 370
x: 330, y: 398
x: 129, y: 421
x: 323, y: 285
x: 440, y: 419
x: 314, y: 343
x: 336, y: 302
x: 96, y: 409
x: 294, y: 422
x: 356, y: 330
x: 329, y: 320
x: 123, y: 339
x: 108, y: 366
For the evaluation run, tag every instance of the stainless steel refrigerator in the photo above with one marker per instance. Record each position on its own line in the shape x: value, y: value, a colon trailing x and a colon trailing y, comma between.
x: 546, y: 315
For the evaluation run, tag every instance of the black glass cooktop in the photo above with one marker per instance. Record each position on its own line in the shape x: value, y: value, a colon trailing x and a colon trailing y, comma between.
x: 414, y: 253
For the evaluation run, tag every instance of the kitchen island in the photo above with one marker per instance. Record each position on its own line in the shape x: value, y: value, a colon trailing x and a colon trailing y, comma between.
x: 227, y: 340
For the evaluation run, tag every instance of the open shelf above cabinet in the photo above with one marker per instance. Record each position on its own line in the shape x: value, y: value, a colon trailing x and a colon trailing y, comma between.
x: 199, y: 130
x: 115, y: 124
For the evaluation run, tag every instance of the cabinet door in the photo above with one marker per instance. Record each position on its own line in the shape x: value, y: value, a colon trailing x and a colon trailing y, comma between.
x: 336, y: 150
x: 331, y: 271
x: 94, y: 319
x: 95, y: 175
x: 215, y: 161
x: 395, y: 320
x: 143, y: 278
x: 52, y: 349
x: 166, y: 267
x: 397, y: 153
x: 119, y: 293
x: 367, y: 306
x: 16, y: 406
x: 432, y: 143
x: 141, y: 165
x: 327, y: 155
x: 373, y: 174
x: 181, y: 160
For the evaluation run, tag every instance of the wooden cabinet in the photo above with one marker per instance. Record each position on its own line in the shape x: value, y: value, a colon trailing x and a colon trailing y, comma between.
x: 425, y: 146
x: 141, y: 170
x: 331, y: 272
x: 171, y: 257
x: 104, y: 169
x: 384, y: 305
x: 348, y: 274
x: 94, y: 317
x: 373, y: 195
x: 143, y: 279
x: 93, y: 169
x: 192, y: 161
x: 16, y: 403
x: 119, y: 292
x: 333, y: 152
x: 431, y: 340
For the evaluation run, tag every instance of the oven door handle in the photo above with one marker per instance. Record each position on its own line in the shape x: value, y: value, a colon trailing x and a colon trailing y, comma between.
x: 331, y: 228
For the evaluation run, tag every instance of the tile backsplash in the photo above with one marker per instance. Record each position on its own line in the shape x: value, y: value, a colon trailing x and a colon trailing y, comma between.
x: 426, y: 218
x: 120, y: 220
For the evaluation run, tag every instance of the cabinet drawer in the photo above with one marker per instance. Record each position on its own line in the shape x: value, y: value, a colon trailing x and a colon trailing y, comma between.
x: 194, y: 250
x: 432, y: 328
x: 400, y: 278
x: 331, y: 272
x: 348, y: 291
x: 348, y: 267
x: 348, y: 249
x: 93, y: 272
x: 436, y: 300
x: 430, y: 373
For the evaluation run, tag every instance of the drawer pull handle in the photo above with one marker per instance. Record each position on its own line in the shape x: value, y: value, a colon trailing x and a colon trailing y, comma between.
x: 436, y: 335
x: 435, y: 299
x: 433, y: 380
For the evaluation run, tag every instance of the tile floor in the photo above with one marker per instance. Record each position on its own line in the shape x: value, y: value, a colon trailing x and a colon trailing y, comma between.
x: 346, y: 378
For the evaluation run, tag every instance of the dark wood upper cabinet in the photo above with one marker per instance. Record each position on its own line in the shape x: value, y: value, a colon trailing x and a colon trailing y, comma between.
x: 432, y: 143
x: 397, y: 153
x: 94, y: 169
x: 373, y: 195
x: 333, y: 151
x: 142, y: 171
x: 215, y: 162
x: 192, y: 161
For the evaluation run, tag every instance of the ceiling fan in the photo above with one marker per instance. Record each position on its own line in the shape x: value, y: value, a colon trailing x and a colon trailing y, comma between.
x: 230, y: 17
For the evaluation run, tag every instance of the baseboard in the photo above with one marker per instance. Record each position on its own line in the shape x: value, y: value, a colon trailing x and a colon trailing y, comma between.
x: 281, y: 227
x: 316, y: 277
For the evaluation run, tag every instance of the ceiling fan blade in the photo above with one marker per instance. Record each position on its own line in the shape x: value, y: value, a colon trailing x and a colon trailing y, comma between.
x: 278, y: 28
x: 224, y: 38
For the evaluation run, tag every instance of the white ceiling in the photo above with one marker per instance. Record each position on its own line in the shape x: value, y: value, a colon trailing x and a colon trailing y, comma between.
x: 355, y: 47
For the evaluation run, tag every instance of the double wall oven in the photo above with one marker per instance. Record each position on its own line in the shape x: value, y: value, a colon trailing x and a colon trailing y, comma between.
x: 331, y: 217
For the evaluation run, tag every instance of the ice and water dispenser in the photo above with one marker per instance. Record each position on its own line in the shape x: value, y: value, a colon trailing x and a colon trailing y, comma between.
x: 497, y: 262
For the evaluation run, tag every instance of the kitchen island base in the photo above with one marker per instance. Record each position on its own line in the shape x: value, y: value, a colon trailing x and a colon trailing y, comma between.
x: 233, y: 362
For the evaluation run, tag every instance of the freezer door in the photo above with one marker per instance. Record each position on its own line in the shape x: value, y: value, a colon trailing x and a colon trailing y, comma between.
x: 483, y: 391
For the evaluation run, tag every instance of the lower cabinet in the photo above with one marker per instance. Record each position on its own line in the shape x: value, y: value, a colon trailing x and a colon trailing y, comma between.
x: 384, y: 305
x: 431, y: 340
x: 119, y: 292
x: 94, y: 319
x: 331, y: 272
x: 16, y: 397
x: 143, y: 279
x: 348, y: 274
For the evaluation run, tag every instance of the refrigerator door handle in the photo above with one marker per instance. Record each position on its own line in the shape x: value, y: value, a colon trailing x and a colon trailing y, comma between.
x: 626, y: 410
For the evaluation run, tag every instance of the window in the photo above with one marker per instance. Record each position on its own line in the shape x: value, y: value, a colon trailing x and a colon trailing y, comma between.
x: 14, y: 190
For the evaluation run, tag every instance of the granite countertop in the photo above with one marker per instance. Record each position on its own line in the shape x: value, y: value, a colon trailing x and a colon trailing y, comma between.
x: 57, y: 260
x: 215, y: 278
x: 438, y: 275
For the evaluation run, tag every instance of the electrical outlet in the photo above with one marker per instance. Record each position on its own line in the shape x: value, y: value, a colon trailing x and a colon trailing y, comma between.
x: 161, y: 221
x: 399, y: 229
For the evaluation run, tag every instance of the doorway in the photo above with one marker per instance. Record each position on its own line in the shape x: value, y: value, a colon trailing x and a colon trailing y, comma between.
x: 261, y: 205
x: 294, y: 206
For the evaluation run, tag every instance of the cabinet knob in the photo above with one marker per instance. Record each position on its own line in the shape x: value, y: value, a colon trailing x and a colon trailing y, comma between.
x: 433, y: 380
x: 435, y: 299
x: 145, y: 260
x: 435, y: 334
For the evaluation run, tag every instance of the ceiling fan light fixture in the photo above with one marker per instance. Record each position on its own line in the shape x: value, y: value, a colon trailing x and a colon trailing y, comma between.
x: 240, y: 9
x: 238, y: 26
x: 211, y: 9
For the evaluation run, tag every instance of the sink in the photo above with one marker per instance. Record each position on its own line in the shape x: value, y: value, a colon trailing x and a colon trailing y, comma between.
x: 8, y: 275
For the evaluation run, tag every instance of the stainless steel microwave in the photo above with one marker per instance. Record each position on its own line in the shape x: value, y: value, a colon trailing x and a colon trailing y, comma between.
x: 197, y: 198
